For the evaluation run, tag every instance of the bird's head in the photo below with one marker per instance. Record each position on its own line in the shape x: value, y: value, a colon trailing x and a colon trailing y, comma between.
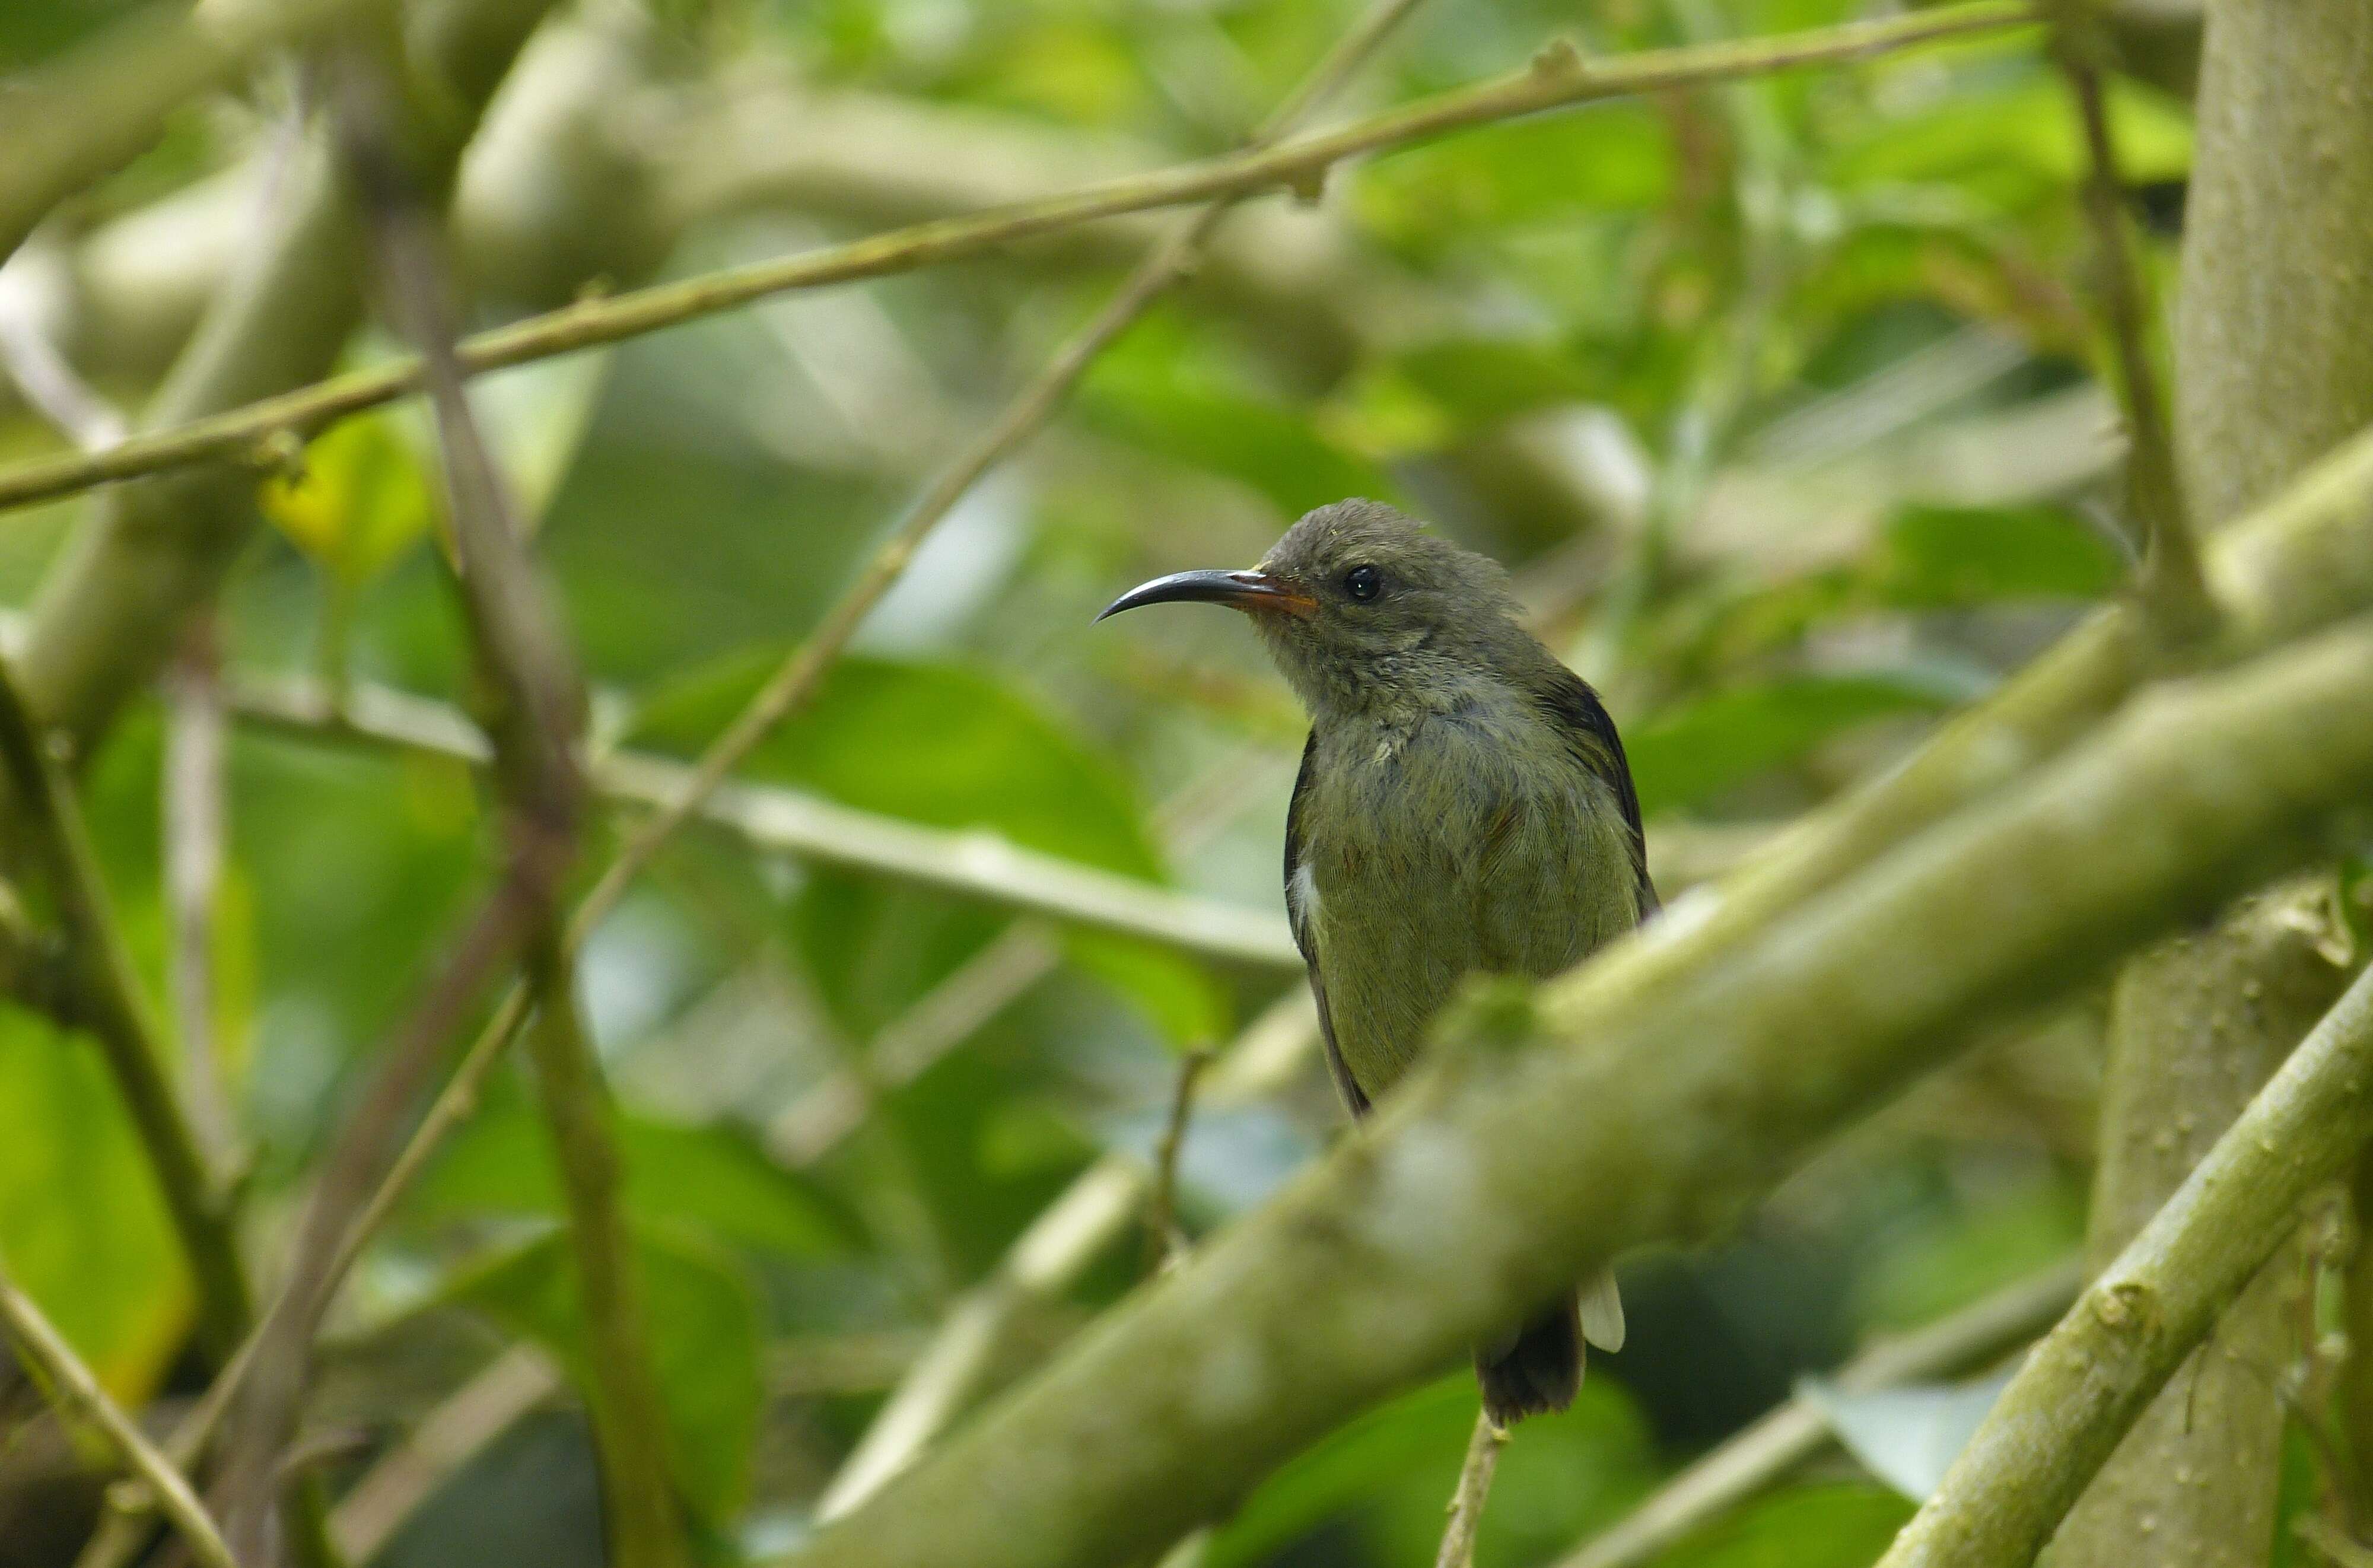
x: 1362, y: 608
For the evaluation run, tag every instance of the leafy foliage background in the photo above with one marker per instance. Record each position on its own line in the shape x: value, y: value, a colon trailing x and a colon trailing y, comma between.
x: 1776, y: 398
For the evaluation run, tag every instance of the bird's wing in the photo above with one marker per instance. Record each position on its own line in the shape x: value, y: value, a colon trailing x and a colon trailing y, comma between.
x: 1302, y: 910
x: 1590, y: 730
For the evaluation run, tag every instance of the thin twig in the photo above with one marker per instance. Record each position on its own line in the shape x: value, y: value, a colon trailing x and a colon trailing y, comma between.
x: 1559, y: 79
x: 194, y: 827
x: 104, y: 997
x: 1473, y: 1491
x: 1759, y: 1454
x: 78, y: 1395
x: 2172, y: 585
x: 457, y: 1431
x: 522, y: 655
x: 1165, y: 1243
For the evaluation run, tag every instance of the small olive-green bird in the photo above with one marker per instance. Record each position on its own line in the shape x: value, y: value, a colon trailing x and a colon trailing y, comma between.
x: 1464, y: 806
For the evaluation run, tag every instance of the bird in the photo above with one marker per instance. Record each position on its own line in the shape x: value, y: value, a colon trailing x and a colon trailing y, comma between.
x: 1464, y: 806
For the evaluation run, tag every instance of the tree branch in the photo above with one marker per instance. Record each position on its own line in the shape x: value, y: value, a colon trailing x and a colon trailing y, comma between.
x: 1560, y: 77
x: 521, y: 654
x: 101, y: 995
x: 1753, y: 1459
x: 94, y: 111
x: 1488, y: 1188
x: 76, y: 1392
x: 2171, y: 584
x: 2064, y: 1412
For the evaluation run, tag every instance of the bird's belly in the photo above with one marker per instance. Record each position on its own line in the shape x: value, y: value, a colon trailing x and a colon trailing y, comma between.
x: 1411, y: 903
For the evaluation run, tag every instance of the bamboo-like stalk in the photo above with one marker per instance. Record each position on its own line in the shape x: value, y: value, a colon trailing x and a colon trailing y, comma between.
x: 1560, y: 77
x: 2072, y: 1401
x: 1503, y: 1175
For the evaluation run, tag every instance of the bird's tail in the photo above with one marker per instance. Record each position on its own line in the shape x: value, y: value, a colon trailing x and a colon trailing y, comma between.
x: 1538, y: 1367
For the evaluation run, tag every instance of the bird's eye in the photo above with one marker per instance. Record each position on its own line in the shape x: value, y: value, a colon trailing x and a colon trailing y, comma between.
x: 1363, y: 583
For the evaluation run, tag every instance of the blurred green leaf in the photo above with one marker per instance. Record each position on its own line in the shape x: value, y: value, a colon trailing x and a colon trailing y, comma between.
x: 706, y: 1346
x: 2017, y: 143
x: 1940, y: 557
x: 1191, y: 408
x: 81, y: 1226
x: 933, y: 744
x: 363, y: 496
x: 1805, y: 1527
x: 1698, y: 750
x: 1608, y: 156
x: 1389, y: 1472
x: 713, y: 1178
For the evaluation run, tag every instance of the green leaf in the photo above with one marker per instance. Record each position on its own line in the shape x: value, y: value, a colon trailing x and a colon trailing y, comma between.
x: 1805, y: 1527
x: 362, y: 498
x: 713, y: 1178
x: 1389, y: 1472
x: 1608, y: 156
x: 1686, y: 754
x: 952, y: 748
x: 701, y: 1312
x: 2018, y: 142
x: 1196, y: 408
x: 1942, y: 557
x: 82, y: 1228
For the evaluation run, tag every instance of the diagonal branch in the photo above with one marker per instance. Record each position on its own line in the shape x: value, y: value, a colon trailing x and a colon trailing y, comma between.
x: 1560, y: 78
x: 1502, y: 1174
x: 76, y: 1391
x: 2058, y: 1422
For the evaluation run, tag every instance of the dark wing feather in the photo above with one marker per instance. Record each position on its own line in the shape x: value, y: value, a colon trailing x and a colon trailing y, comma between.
x: 1574, y: 703
x: 1307, y: 940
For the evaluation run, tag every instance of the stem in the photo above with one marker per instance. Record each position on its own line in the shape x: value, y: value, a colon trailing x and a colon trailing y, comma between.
x: 1165, y: 1243
x: 2171, y: 584
x: 2085, y: 1383
x: 629, y: 1418
x: 76, y: 1391
x: 1468, y: 1499
x: 1560, y: 78
x: 103, y: 996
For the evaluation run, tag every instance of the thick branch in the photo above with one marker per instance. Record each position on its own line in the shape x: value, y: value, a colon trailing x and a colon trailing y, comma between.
x: 1506, y: 1177
x: 1560, y: 78
x: 2074, y: 1399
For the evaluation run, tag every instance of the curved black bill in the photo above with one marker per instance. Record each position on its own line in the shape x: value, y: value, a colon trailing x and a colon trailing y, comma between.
x: 1240, y: 591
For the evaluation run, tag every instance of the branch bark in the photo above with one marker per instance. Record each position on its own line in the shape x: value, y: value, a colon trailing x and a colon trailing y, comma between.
x: 1496, y: 1182
x: 1560, y: 77
x: 2195, y: 1026
x: 2077, y: 1393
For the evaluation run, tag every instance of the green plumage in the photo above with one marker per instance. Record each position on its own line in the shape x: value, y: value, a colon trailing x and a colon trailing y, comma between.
x: 1463, y: 806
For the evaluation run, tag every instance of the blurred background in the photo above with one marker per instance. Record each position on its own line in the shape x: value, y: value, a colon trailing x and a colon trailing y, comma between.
x: 1776, y: 398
